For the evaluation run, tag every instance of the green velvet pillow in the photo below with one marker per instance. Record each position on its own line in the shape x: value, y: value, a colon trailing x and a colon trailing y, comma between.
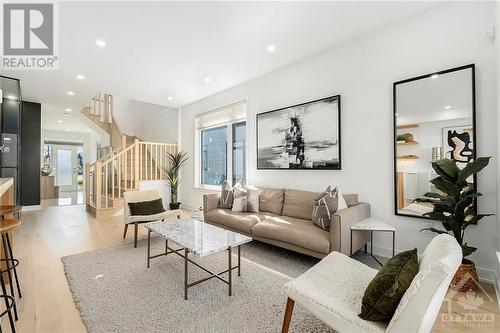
x: 384, y: 292
x: 146, y: 207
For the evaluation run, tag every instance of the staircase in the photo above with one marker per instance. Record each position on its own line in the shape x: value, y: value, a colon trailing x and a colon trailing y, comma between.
x: 131, y: 161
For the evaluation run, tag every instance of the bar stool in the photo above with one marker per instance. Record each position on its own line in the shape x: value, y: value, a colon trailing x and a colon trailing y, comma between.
x: 6, y: 226
x: 8, y: 309
x: 11, y: 209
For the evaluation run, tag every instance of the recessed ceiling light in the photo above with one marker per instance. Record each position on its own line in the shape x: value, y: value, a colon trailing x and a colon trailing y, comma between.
x: 68, y: 110
x: 207, y: 80
x: 70, y: 93
x: 80, y: 77
x: 170, y: 98
x: 67, y: 130
x: 271, y: 48
x: 447, y: 107
x: 100, y: 43
x: 59, y: 121
x: 434, y: 76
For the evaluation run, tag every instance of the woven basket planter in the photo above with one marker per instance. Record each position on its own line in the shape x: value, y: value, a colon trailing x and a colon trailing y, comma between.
x: 465, y: 278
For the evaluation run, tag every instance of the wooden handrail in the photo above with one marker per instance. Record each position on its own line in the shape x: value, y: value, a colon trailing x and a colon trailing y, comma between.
x: 107, y: 179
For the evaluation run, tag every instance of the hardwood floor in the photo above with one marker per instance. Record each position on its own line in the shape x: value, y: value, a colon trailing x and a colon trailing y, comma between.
x: 49, y: 234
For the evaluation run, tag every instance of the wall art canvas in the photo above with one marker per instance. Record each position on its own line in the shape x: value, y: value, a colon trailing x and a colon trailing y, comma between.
x: 304, y: 136
x: 458, y: 144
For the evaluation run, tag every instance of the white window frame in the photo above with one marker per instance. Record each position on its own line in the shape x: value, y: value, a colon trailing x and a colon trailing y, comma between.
x: 229, y: 153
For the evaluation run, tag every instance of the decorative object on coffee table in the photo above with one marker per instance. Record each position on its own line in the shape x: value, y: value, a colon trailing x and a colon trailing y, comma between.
x: 374, y: 224
x: 456, y: 208
x: 199, y: 238
x: 172, y: 175
x: 303, y: 136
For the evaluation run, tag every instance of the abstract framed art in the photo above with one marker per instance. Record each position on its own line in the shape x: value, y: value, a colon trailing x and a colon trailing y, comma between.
x: 302, y: 136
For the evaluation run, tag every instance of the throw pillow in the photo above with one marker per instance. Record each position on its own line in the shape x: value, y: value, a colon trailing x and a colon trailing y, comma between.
x: 146, y: 207
x: 239, y: 198
x: 342, y: 204
x: 226, y: 196
x: 252, y: 199
x: 324, y: 206
x: 351, y: 199
x: 384, y: 292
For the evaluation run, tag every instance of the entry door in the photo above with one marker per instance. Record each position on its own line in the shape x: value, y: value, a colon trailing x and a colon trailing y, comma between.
x: 66, y: 167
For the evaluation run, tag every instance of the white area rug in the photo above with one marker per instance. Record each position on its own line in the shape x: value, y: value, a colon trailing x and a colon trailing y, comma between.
x: 115, y: 292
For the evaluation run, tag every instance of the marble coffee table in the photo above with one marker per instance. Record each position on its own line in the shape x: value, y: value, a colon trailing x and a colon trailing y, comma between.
x: 201, y: 239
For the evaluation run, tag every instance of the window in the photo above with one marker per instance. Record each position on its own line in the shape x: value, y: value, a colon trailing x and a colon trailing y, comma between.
x: 239, y: 152
x: 221, y: 146
x: 213, y: 156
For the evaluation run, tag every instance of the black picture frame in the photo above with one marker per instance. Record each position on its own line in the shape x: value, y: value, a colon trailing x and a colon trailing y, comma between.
x: 472, y: 67
x: 339, y: 131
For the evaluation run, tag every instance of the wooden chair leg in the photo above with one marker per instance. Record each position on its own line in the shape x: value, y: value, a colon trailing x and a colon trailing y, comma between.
x: 288, y: 315
x: 136, y: 229
x: 125, y: 231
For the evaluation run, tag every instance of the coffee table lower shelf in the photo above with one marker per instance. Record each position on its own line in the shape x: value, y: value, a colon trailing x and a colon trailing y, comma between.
x: 169, y: 250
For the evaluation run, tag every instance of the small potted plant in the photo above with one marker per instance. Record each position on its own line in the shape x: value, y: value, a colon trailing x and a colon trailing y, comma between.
x: 455, y: 208
x: 172, y: 175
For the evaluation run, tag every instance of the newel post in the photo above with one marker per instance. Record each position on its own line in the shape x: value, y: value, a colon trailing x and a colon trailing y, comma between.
x: 136, y: 163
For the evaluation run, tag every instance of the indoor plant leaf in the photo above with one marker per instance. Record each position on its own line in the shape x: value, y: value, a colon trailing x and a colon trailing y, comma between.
x: 445, y: 186
x: 467, y: 250
x: 447, y: 169
x: 473, y: 167
x: 437, y: 231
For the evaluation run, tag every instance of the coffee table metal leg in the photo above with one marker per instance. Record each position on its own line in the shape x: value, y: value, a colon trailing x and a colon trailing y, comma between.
x: 149, y: 246
x: 186, y: 273
x: 230, y: 279
x: 166, y: 246
x: 239, y: 260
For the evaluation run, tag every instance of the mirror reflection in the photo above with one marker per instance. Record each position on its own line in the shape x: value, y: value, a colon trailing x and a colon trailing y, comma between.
x: 434, y: 119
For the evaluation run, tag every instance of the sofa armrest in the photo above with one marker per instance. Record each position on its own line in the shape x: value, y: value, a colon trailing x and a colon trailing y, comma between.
x: 210, y: 201
x: 340, y: 229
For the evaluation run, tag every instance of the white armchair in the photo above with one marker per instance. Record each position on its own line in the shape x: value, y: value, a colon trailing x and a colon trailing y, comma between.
x: 332, y: 291
x: 139, y: 196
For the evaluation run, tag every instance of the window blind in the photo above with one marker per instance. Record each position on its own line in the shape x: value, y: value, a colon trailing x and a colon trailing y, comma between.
x: 227, y: 114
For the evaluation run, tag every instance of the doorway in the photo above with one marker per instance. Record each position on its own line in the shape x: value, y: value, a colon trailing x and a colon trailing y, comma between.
x: 63, y: 164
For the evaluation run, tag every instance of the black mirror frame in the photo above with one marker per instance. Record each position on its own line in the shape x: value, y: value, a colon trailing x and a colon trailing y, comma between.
x: 394, y: 137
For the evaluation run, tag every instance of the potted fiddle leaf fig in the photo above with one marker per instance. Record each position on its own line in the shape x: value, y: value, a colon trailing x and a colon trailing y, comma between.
x: 172, y: 175
x: 455, y: 208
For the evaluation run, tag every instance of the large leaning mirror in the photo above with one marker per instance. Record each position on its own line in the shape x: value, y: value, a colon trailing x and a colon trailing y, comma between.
x: 434, y: 118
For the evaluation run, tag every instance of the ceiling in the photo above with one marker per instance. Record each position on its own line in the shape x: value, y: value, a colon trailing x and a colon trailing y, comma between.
x: 159, y: 49
x: 447, y: 96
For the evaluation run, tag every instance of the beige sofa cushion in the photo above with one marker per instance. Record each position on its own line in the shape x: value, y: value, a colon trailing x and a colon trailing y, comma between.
x: 295, y: 231
x: 299, y: 204
x: 351, y: 199
x: 241, y: 221
x: 271, y: 200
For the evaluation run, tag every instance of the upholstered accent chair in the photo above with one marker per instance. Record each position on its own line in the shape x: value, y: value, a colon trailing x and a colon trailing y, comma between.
x: 140, y: 196
x: 332, y: 290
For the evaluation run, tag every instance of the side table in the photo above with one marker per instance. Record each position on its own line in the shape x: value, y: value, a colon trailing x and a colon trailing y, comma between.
x: 374, y: 224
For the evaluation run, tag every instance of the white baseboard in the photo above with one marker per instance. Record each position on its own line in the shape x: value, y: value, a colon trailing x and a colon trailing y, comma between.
x: 31, y: 208
x: 485, y: 274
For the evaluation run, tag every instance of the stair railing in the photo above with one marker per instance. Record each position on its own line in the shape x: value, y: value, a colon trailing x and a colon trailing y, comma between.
x: 107, y: 179
x: 102, y: 105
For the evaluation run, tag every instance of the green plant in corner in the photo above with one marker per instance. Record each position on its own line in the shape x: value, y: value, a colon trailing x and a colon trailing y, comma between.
x: 172, y: 175
x: 455, y: 206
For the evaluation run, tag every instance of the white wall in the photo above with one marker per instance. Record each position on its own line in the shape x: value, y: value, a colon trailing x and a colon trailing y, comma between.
x: 497, y: 42
x: 150, y: 122
x: 362, y: 72
x: 89, y: 141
